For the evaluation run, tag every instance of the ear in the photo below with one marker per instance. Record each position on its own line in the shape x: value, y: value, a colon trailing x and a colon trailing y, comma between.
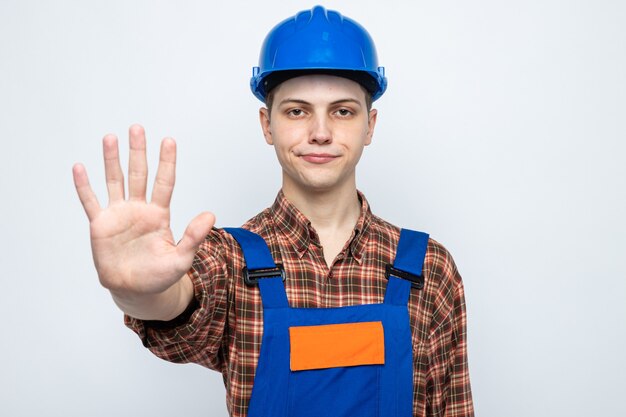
x: 371, y: 123
x: 264, y: 118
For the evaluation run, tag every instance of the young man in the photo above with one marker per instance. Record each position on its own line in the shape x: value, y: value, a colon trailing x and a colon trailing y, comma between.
x: 326, y: 310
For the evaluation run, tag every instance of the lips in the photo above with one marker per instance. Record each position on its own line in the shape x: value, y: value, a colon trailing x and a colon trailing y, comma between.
x: 318, y: 158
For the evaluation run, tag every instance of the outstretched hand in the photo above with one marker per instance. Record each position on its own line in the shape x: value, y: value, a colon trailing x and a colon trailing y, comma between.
x: 133, y: 248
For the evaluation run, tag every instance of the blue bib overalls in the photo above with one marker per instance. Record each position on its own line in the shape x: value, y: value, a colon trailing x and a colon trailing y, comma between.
x: 334, y: 362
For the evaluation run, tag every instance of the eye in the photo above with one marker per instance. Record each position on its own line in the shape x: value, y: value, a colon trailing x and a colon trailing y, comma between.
x: 344, y: 112
x: 295, y: 112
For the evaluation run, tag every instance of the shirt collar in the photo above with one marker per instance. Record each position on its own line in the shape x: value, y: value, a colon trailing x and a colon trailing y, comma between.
x: 297, y: 228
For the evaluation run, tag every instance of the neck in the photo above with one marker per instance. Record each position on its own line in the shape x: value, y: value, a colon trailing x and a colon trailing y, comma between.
x: 327, y: 210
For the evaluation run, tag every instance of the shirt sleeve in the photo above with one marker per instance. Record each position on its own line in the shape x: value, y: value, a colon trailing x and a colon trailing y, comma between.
x: 199, y: 339
x: 448, y: 382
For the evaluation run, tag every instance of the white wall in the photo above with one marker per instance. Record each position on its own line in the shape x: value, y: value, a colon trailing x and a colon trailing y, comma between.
x: 502, y: 134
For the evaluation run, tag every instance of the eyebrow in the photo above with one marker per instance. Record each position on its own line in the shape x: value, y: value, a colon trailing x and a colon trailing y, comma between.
x: 300, y: 101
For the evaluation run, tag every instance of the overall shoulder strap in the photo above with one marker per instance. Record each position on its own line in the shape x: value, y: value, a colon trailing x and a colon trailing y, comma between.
x: 260, y: 268
x: 407, y: 268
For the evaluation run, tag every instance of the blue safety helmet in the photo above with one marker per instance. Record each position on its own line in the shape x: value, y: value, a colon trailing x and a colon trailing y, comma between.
x: 318, y: 41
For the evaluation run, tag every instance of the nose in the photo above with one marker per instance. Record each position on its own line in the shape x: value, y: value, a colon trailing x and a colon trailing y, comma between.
x: 320, y: 131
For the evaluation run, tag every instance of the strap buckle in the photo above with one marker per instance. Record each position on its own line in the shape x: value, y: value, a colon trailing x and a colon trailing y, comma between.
x: 417, y: 281
x: 252, y: 276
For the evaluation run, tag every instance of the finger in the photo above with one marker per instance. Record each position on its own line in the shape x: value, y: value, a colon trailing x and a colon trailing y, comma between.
x: 112, y: 169
x: 137, y: 164
x: 166, y: 174
x: 85, y: 193
x: 194, y: 234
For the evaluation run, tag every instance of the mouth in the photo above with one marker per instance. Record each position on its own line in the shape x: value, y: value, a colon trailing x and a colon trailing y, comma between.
x: 318, y: 158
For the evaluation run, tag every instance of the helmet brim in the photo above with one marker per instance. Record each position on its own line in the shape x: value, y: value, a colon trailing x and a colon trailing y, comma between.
x: 363, y: 78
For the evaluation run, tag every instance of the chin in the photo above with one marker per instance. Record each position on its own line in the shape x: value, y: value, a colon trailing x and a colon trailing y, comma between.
x: 319, y: 185
x: 316, y: 181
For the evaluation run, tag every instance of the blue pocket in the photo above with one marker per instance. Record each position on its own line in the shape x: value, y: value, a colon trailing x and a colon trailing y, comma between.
x: 337, y: 392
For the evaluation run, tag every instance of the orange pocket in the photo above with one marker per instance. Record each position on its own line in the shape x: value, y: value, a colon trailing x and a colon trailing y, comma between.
x: 337, y: 345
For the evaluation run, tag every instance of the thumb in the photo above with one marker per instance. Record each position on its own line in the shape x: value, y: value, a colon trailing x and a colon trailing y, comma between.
x: 195, y: 233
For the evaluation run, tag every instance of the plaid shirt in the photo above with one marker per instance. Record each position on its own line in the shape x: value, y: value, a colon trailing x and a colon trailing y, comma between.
x: 224, y: 332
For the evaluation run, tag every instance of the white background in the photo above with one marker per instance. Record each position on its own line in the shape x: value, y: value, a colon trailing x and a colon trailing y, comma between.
x: 502, y: 134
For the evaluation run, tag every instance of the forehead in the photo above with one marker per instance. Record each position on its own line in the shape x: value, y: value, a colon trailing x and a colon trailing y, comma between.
x: 316, y: 87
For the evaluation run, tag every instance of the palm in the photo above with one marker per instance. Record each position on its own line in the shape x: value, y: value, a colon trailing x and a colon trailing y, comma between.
x: 133, y: 246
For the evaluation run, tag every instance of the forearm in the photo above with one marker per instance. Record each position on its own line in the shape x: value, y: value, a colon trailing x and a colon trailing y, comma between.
x: 162, y: 306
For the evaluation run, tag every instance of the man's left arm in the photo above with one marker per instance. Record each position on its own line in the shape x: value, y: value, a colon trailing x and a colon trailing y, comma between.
x: 447, y: 385
x: 459, y: 402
